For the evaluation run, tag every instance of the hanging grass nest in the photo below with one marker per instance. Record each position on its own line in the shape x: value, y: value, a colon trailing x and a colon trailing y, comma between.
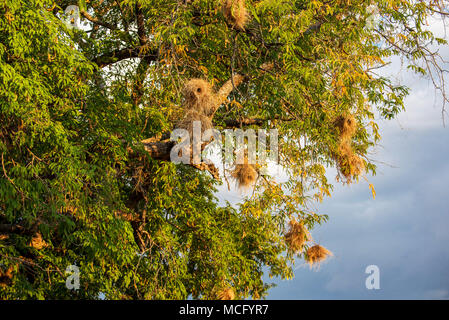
x: 349, y: 164
x: 317, y: 254
x: 297, y: 236
x: 346, y: 126
x: 356, y: 165
x: 199, y: 96
x: 226, y: 294
x: 245, y: 174
x: 190, y: 117
x: 235, y: 13
x: 345, y: 149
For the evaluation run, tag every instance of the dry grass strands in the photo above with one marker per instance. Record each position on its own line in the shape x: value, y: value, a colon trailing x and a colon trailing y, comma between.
x: 297, y: 236
x: 245, y: 174
x: 199, y: 96
x: 346, y: 125
x: 349, y: 164
x: 188, y: 121
x: 345, y: 149
x: 356, y: 165
x: 226, y: 294
x: 235, y: 13
x: 317, y: 254
x: 267, y: 66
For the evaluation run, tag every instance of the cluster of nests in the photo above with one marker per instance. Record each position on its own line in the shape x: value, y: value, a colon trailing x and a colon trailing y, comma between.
x: 348, y: 162
x: 201, y: 101
x: 296, y: 239
x: 200, y: 104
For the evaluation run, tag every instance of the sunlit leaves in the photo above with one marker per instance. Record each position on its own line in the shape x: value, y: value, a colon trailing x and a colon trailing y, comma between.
x: 72, y: 167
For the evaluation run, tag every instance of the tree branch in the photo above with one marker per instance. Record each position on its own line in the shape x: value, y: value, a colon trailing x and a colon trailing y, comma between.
x: 159, y: 150
x: 210, y: 167
x: 314, y: 27
x: 11, y: 228
x: 140, y: 25
x: 121, y: 54
x: 97, y: 21
x: 229, y: 85
x: 237, y: 123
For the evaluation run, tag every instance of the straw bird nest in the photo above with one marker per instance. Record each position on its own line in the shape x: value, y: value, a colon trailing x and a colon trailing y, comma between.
x: 297, y: 236
x: 199, y: 105
x: 226, y: 294
x: 346, y: 126
x: 317, y: 254
x: 245, y: 174
x: 349, y: 164
x: 235, y: 13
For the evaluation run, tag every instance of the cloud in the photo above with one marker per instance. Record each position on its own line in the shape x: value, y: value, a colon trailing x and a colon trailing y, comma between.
x: 403, y: 231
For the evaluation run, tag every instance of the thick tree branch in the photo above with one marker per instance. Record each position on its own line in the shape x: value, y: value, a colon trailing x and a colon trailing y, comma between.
x: 96, y: 21
x: 121, y: 54
x: 159, y: 150
x: 237, y: 123
x: 210, y: 167
x: 140, y: 25
x: 11, y: 228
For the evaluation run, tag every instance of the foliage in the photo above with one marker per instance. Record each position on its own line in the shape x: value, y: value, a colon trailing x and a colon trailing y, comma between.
x: 76, y: 102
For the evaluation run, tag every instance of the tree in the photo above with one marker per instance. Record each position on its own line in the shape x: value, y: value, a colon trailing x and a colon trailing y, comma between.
x: 86, y: 177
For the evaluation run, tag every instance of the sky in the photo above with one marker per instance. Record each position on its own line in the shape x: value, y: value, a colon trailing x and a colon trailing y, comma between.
x: 404, y: 230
